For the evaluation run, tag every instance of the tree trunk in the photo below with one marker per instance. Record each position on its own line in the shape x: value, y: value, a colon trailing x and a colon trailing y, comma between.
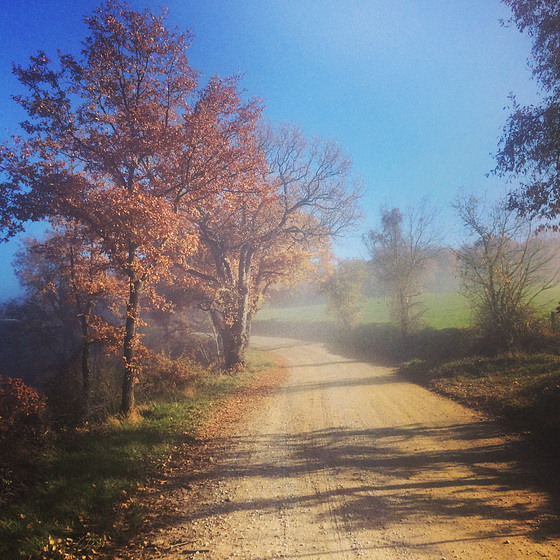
x: 234, y: 337
x: 238, y: 338
x: 130, y: 366
x: 86, y: 345
x: 231, y: 350
x: 234, y: 343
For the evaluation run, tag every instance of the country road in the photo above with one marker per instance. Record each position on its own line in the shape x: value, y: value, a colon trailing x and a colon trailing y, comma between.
x: 346, y: 460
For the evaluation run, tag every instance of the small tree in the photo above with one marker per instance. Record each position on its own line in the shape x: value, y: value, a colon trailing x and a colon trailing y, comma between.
x: 502, y: 271
x: 343, y: 290
x: 399, y: 253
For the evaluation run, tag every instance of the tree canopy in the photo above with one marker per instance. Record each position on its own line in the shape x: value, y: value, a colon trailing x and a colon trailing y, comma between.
x: 158, y: 175
x: 121, y: 142
x: 529, y: 149
x: 270, y: 235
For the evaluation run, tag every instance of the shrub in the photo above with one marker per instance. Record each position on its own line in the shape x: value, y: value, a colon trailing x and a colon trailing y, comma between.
x: 21, y: 429
x: 383, y: 343
x: 162, y: 375
x: 21, y: 411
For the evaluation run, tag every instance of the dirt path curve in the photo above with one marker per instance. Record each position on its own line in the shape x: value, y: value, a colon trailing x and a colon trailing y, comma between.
x: 348, y: 461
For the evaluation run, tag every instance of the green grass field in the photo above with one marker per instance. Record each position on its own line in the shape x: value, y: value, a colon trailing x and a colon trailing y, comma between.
x: 442, y: 310
x: 447, y: 310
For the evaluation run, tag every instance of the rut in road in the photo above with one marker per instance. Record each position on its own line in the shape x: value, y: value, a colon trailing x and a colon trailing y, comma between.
x: 347, y: 461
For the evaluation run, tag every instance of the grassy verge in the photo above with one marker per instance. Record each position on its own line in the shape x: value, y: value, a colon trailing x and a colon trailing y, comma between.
x: 522, y: 390
x: 80, y: 498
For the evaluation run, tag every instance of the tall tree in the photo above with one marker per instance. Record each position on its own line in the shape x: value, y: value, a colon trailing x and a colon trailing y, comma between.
x: 503, y: 269
x: 529, y: 149
x: 120, y: 142
x: 273, y: 233
x: 399, y: 253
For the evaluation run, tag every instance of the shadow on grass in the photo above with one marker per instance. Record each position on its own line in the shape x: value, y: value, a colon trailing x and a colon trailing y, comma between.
x: 80, y: 485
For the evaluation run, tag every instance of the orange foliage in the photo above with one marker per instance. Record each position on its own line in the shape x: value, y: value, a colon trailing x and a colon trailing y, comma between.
x: 20, y: 411
x: 255, y: 235
x: 120, y: 142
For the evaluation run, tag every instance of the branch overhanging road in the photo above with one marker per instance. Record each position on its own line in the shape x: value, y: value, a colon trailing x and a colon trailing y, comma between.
x: 346, y: 460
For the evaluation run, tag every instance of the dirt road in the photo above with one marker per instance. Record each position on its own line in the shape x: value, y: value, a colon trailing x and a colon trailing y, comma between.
x: 348, y: 461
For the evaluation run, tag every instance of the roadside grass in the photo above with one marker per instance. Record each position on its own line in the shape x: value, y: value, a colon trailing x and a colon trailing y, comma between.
x: 522, y: 390
x: 81, y: 499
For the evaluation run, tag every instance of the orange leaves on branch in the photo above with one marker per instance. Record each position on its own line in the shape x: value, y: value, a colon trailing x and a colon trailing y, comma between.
x: 119, y: 142
x: 156, y: 175
x: 275, y: 228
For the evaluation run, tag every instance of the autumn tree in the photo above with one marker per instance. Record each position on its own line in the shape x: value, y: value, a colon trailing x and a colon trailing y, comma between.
x: 69, y: 272
x: 120, y: 142
x: 399, y: 252
x: 529, y: 149
x: 273, y: 233
x: 503, y: 268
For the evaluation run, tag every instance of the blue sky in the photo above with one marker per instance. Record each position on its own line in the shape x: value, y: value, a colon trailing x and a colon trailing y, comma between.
x: 413, y: 90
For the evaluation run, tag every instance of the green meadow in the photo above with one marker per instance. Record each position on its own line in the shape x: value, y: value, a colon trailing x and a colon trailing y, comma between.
x: 441, y: 310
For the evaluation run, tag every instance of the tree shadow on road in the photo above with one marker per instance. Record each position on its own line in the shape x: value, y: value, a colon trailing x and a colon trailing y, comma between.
x: 373, y: 344
x: 388, y: 476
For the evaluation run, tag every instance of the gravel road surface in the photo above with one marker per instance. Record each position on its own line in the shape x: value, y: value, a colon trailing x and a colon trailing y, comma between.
x: 346, y: 460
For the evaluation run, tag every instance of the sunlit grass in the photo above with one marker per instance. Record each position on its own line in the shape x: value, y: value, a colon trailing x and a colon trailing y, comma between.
x: 440, y: 311
x: 445, y: 311
x: 300, y: 313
